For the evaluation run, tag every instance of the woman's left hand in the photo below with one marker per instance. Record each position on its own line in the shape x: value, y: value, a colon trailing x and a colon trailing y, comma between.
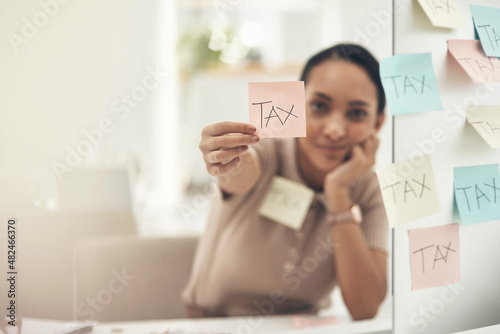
x: 359, y: 161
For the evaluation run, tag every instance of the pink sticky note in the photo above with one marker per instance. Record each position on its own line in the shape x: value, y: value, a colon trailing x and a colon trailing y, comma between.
x: 303, y: 322
x: 470, y: 55
x: 434, y: 256
x: 277, y: 109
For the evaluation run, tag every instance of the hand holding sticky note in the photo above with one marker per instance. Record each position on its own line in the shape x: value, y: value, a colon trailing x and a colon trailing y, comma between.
x: 477, y: 193
x: 277, y: 109
x: 408, y: 190
x: 410, y: 83
x: 487, y: 27
x: 434, y: 256
x: 486, y: 121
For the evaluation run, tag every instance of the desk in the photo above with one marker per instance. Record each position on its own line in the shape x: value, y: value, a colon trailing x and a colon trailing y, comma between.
x: 240, y: 325
x: 237, y: 325
x: 243, y: 325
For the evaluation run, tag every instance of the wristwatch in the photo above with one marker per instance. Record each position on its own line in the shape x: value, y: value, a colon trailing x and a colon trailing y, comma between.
x: 352, y: 216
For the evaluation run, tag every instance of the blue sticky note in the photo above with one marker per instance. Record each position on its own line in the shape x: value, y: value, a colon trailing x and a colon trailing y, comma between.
x: 477, y: 193
x: 410, y: 84
x: 487, y: 26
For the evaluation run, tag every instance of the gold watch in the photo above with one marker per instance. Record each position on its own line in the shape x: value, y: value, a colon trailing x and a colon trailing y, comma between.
x: 352, y: 216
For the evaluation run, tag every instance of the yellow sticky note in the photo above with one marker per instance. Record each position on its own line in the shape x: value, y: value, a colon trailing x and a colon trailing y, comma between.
x: 443, y: 14
x: 408, y: 190
x: 486, y: 121
x: 277, y: 109
x: 287, y: 202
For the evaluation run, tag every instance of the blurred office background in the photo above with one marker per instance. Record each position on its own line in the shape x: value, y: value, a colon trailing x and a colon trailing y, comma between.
x: 102, y: 104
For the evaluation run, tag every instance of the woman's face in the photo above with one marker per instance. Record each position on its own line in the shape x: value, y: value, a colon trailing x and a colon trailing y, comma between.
x: 341, y: 109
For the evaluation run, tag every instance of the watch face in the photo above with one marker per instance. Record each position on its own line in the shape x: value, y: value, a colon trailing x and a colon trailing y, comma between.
x: 356, y: 213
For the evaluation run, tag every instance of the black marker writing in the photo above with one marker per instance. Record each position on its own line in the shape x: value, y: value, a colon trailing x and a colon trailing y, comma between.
x: 438, y: 254
x: 488, y: 127
x: 273, y: 111
x: 493, y: 186
x: 481, y: 196
x: 408, y: 188
x: 423, y: 259
x: 289, y: 113
x: 417, y: 85
x: 480, y: 65
x: 494, y: 38
x: 478, y: 197
x: 261, y: 103
x: 393, y: 192
x: 443, y: 5
x: 443, y: 257
x: 269, y: 117
x: 466, y: 197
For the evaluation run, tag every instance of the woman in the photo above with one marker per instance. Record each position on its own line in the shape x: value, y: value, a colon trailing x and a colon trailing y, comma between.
x: 247, y: 264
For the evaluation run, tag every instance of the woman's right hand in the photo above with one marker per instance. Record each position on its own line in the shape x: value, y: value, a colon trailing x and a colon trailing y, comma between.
x: 223, y: 143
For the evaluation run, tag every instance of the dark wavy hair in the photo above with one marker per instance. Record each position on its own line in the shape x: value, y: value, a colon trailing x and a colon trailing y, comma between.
x: 355, y: 54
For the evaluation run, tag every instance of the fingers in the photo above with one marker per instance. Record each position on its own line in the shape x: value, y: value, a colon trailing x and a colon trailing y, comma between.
x: 228, y: 142
x: 369, y: 138
x: 222, y: 145
x: 364, y: 152
x: 224, y: 156
x: 223, y: 169
x: 227, y: 135
x: 370, y: 144
x: 222, y: 128
x: 370, y: 149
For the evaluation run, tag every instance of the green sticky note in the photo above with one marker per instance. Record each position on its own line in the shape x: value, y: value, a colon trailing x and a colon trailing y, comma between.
x: 487, y: 27
x: 410, y: 84
x: 477, y: 193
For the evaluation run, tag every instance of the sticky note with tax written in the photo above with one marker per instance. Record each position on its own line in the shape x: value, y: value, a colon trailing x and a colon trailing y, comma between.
x: 477, y: 193
x: 443, y: 14
x: 487, y: 27
x: 287, y: 202
x: 277, y: 109
x: 408, y: 190
x: 486, y: 121
x: 470, y: 55
x: 434, y: 256
x: 410, y: 84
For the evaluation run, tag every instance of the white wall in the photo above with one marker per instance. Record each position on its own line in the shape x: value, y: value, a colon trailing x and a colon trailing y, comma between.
x: 68, y: 74
x: 65, y: 66
x: 371, y: 27
x: 475, y: 301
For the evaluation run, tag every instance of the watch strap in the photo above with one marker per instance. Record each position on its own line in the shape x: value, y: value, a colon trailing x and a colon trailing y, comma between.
x: 352, y: 216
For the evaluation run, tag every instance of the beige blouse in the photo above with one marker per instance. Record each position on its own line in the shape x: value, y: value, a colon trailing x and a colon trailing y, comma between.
x: 247, y: 264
